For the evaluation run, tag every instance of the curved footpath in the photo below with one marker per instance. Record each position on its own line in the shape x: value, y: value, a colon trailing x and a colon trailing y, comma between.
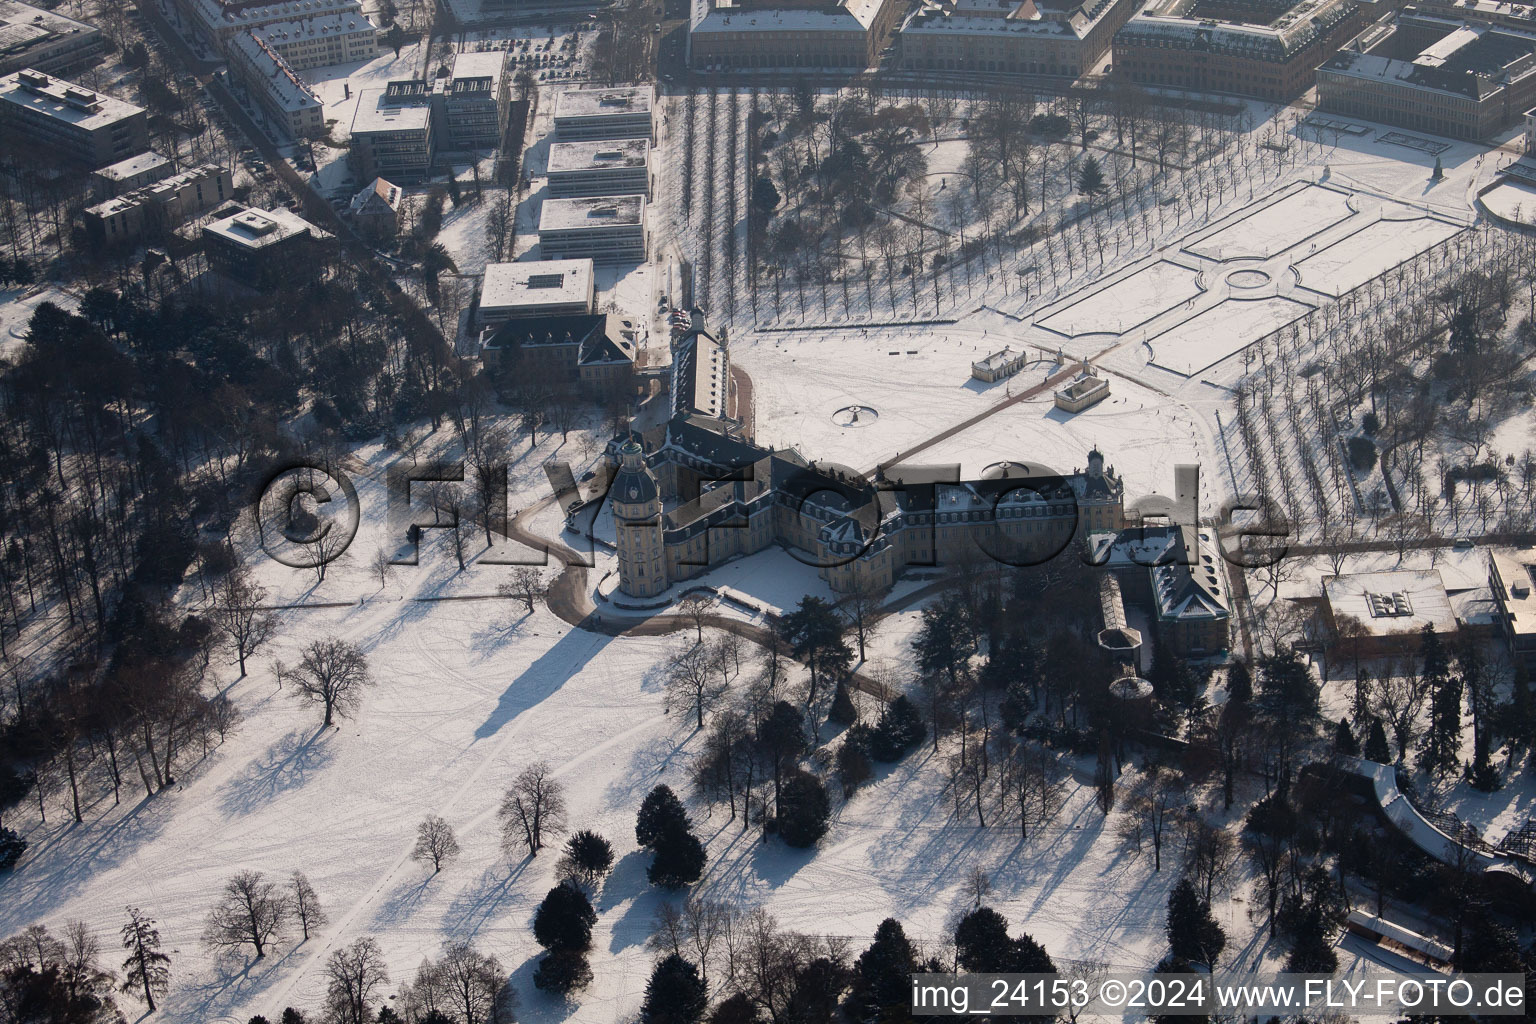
x: 570, y: 598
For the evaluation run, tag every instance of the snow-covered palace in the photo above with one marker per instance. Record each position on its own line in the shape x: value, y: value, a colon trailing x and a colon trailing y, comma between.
x: 691, y: 494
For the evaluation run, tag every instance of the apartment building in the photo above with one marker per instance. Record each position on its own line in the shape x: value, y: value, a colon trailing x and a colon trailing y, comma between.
x: 285, y: 99
x: 612, y: 168
x: 158, y: 207
x: 610, y: 229
x: 33, y: 37
x: 126, y: 175
x: 321, y: 42
x: 78, y: 124
x: 620, y: 113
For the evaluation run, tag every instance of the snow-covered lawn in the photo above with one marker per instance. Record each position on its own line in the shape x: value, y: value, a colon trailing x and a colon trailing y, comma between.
x: 1276, y: 227
x: 1129, y: 302
x: 17, y: 307
x: 1210, y: 336
x: 1373, y: 250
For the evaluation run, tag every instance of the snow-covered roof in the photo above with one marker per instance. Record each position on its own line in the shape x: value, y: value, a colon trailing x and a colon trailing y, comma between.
x: 1392, y: 601
x: 257, y: 229
x: 536, y: 283
x: 1517, y: 575
x: 64, y: 101
x: 1167, y: 24
x: 281, y: 32
x: 489, y: 64
x: 282, y: 81
x: 849, y: 16
x: 630, y: 99
x: 134, y: 166
x: 374, y: 115
x: 1195, y: 591
x: 378, y: 191
x: 591, y: 212
x: 593, y: 155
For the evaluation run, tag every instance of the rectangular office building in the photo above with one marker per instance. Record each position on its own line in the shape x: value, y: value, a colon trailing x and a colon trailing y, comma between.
x: 474, y: 102
x: 623, y: 113
x: 31, y: 37
x: 392, y: 135
x: 610, y: 229
x: 89, y: 127
x: 611, y: 168
x: 536, y: 288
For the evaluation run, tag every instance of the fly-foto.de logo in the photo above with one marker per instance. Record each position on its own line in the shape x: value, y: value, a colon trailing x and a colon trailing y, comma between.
x: 308, y: 514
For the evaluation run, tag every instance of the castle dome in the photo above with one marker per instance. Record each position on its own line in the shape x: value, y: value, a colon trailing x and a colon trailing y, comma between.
x: 634, y: 483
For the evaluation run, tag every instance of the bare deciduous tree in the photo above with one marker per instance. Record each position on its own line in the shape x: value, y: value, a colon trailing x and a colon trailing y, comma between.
x: 353, y: 973
x: 533, y: 809
x: 237, y: 616
x: 332, y: 673
x: 249, y: 912
x: 435, y: 842
x: 691, y: 681
x: 304, y: 903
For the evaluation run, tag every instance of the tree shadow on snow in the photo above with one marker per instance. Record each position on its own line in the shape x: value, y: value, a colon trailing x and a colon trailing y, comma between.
x: 235, y: 980
x: 399, y: 905
x: 535, y: 1006
x: 473, y: 907
x: 285, y: 765
x: 490, y: 638
x: 626, y: 881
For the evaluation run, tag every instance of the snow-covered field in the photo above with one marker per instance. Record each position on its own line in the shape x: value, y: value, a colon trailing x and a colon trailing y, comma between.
x: 1276, y: 227
x: 1129, y: 302
x: 1373, y: 250
x: 1214, y: 334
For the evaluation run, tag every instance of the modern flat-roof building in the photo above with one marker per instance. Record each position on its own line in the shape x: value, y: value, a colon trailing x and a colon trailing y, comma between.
x: 31, y: 37
x: 79, y: 124
x: 536, y: 288
x: 1383, y: 612
x: 321, y: 42
x: 622, y: 113
x: 392, y: 139
x: 474, y: 102
x: 610, y: 229
x: 610, y: 168
x: 1530, y: 132
x: 259, y: 248
x: 1019, y: 37
x: 1426, y: 72
x: 285, y: 99
x: 158, y: 207
x: 844, y: 35
x: 1267, y: 49
x: 1511, y: 577
x: 126, y: 175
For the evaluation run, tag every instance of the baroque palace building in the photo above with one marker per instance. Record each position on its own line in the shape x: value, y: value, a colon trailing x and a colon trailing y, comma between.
x: 694, y: 492
x: 685, y: 499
